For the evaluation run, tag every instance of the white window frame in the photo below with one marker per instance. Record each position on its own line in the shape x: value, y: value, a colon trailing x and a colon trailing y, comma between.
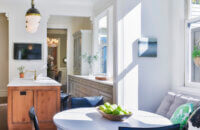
x: 96, y: 47
x: 188, y: 47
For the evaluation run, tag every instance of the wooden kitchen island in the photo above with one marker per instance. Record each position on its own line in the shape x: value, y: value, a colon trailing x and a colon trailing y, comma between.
x: 43, y: 94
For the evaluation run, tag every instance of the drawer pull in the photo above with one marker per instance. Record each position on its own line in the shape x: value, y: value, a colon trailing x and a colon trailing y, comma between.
x: 23, y: 93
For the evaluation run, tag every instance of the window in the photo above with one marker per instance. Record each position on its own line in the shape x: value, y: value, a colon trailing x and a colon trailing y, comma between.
x: 195, y: 8
x: 192, y: 72
x: 102, y: 45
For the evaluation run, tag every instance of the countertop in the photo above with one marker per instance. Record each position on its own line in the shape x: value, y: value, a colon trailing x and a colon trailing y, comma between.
x: 92, y: 78
x: 41, y: 81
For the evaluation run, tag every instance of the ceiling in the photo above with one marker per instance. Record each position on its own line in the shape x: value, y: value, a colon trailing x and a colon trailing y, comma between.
x: 82, y: 2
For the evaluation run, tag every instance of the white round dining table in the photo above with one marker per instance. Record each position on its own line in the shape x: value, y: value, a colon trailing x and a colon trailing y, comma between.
x: 91, y: 119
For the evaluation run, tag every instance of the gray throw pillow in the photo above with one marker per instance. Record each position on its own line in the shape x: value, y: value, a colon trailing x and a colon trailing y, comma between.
x: 178, y: 101
x: 165, y: 104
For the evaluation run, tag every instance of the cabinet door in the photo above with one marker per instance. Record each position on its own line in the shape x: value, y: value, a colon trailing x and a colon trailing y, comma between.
x: 46, y: 104
x: 75, y: 50
x: 22, y: 101
x: 77, y: 55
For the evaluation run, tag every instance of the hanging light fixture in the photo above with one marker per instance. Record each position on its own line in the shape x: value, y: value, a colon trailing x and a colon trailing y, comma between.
x: 52, y: 42
x: 32, y: 19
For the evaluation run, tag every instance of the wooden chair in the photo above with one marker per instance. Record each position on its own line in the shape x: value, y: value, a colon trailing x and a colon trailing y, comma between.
x: 171, y: 127
x: 34, y: 120
x: 58, y: 77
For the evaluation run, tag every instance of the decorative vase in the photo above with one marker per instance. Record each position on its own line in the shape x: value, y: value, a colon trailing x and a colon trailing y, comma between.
x: 197, y: 61
x: 21, y: 75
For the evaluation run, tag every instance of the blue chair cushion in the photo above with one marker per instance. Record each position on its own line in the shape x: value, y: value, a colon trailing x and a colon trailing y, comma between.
x: 77, y: 102
x: 63, y: 96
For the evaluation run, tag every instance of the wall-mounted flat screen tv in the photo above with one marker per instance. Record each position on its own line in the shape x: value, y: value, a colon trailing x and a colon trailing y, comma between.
x: 26, y: 51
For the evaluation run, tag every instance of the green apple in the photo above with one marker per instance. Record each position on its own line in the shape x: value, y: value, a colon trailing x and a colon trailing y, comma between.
x: 126, y: 112
x: 109, y: 110
x: 107, y: 104
x: 119, y: 108
x: 114, y: 106
x: 121, y: 113
x: 102, y: 107
x: 116, y: 112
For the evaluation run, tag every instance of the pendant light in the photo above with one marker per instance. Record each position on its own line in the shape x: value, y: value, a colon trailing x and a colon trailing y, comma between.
x: 52, y: 42
x: 32, y: 19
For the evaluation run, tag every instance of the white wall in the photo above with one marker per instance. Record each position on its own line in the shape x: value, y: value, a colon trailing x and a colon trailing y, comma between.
x: 145, y: 80
x: 178, y: 41
x: 16, y: 10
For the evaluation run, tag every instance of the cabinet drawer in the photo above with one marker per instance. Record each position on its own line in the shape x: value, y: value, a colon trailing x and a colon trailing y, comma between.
x: 22, y: 101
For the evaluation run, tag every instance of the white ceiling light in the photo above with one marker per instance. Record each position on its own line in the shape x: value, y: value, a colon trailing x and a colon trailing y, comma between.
x: 32, y: 19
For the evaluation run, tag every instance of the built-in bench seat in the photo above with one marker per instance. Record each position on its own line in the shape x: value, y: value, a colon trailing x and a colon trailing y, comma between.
x: 173, y: 100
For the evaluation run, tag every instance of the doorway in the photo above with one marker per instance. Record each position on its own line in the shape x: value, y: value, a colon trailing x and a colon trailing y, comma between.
x: 57, y: 53
x: 3, y: 57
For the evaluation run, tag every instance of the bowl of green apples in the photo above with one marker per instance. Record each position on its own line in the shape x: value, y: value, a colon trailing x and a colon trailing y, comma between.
x: 113, y: 112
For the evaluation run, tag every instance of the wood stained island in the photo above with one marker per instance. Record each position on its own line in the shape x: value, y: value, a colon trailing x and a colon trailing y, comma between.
x: 43, y: 94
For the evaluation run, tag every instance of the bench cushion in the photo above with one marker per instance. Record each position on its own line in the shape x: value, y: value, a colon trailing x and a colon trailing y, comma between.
x: 165, y: 104
x: 173, y: 100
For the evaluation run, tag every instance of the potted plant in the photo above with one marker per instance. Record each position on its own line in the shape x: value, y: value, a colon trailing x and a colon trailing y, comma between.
x: 196, y: 55
x: 21, y: 71
x: 90, y: 59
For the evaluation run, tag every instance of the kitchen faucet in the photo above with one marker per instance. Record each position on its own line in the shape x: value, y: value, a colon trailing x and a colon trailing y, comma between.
x: 35, y: 73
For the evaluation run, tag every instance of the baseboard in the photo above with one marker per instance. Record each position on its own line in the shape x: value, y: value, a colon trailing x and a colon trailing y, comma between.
x: 3, y: 93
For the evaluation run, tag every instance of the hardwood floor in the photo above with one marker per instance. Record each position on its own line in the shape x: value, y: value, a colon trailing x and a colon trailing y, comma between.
x: 3, y: 117
x: 3, y: 100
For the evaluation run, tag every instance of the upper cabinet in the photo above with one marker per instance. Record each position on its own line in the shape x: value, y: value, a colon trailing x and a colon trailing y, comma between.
x: 82, y: 45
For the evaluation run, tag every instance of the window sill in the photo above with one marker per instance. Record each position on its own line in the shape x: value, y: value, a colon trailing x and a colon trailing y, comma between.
x: 92, y: 78
x: 195, y: 91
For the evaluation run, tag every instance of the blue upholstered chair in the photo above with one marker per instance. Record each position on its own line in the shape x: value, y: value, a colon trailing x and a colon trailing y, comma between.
x: 171, y: 127
x: 78, y: 102
x: 63, y: 98
x: 34, y: 120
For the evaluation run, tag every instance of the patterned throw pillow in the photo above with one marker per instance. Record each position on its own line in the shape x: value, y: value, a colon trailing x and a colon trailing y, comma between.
x: 194, y: 120
x: 182, y: 113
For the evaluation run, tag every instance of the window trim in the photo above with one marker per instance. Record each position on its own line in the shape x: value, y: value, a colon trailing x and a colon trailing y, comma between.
x: 109, y: 13
x: 188, y: 52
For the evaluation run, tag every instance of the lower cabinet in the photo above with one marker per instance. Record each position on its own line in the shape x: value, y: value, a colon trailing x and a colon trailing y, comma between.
x: 46, y: 101
x: 83, y: 87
